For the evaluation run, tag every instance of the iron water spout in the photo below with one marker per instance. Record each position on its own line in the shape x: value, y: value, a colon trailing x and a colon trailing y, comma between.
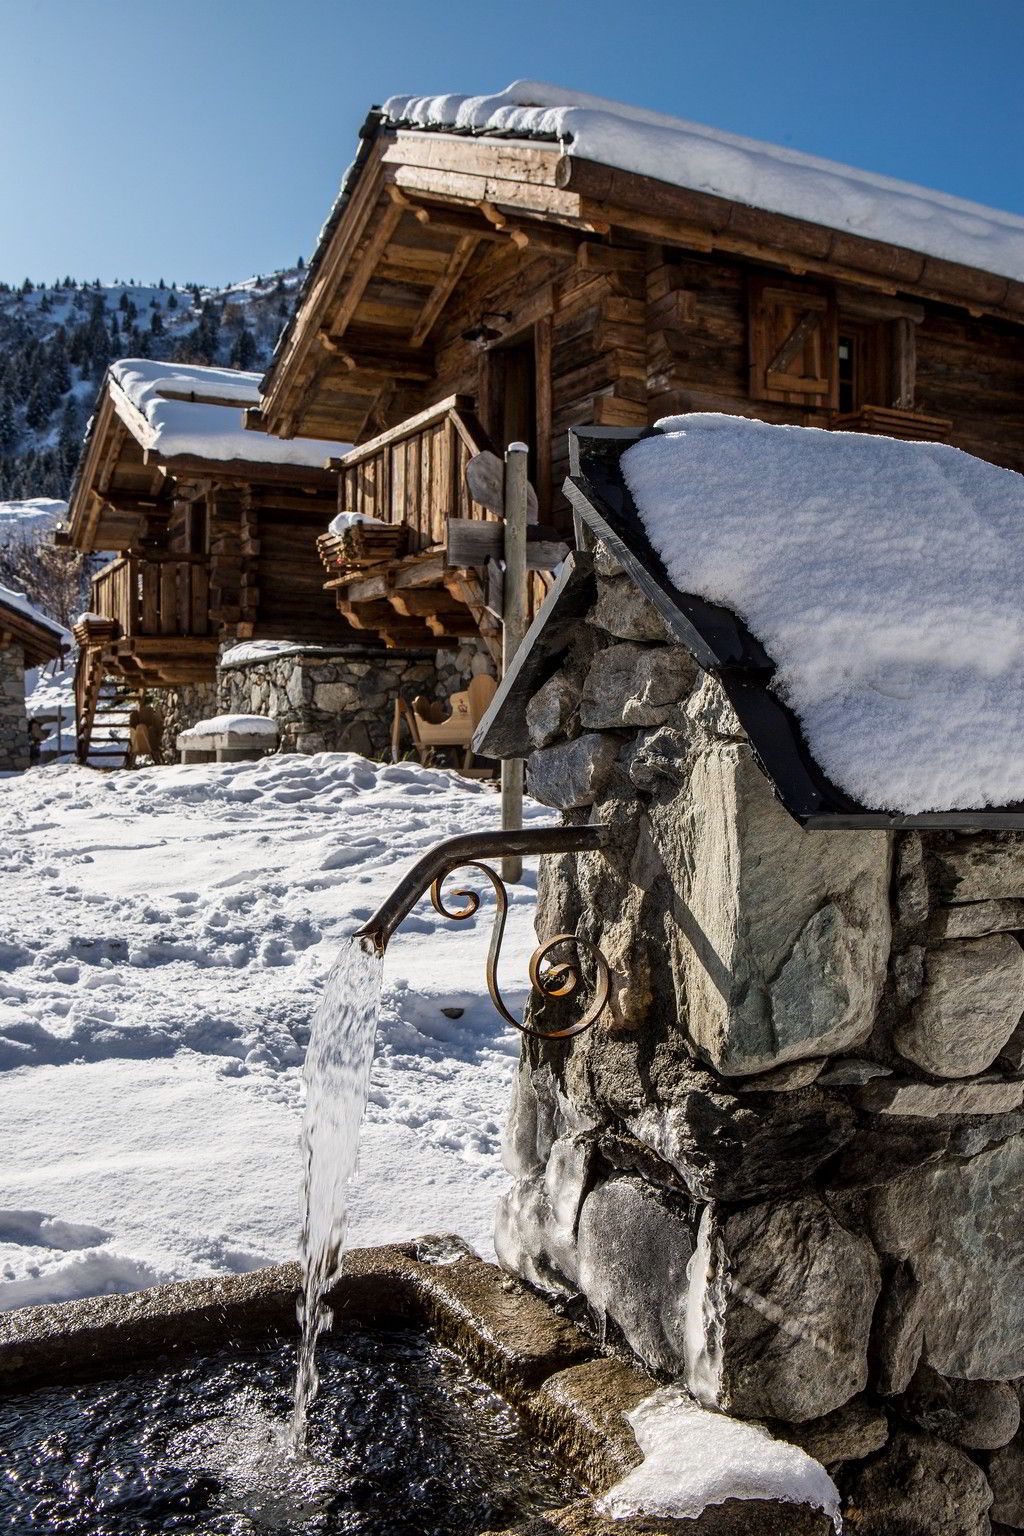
x: 558, y: 979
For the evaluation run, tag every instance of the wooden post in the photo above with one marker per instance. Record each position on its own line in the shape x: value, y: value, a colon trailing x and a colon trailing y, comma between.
x: 513, y: 630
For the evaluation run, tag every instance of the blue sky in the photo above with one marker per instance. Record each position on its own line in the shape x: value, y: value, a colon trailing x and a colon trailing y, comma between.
x: 204, y: 139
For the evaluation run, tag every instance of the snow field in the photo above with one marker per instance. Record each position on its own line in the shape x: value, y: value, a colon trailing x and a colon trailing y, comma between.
x: 165, y: 938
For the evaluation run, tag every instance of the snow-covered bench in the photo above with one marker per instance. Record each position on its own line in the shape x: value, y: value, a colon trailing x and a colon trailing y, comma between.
x: 228, y: 739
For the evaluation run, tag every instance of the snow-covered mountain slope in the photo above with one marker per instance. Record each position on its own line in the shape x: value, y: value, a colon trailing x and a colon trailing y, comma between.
x: 30, y: 520
x: 56, y: 341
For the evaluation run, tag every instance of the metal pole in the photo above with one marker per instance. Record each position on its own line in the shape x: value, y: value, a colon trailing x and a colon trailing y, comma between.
x: 513, y: 630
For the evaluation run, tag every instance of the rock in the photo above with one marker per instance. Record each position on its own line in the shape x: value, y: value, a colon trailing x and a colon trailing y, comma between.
x: 726, y: 1148
x: 605, y: 563
x: 897, y: 1333
x: 630, y: 685
x: 971, y: 1004
x: 851, y: 1072
x: 980, y: 1096
x: 786, y: 1289
x: 623, y: 611
x: 550, y: 710
x: 979, y: 1415
x: 535, y: 1222
x: 335, y: 697
x: 978, y: 918
x: 984, y: 867
x: 632, y: 1256
x: 951, y: 1221
x: 910, y: 891
x: 660, y: 757
x: 919, y: 1486
x: 878, y: 1152
x: 1006, y: 1477
x: 709, y: 709
x: 780, y: 940
x: 798, y: 1074
x: 850, y: 1433
x: 573, y: 773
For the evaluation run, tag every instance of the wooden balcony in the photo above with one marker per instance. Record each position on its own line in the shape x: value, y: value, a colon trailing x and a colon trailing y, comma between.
x: 150, y: 617
x: 413, y: 478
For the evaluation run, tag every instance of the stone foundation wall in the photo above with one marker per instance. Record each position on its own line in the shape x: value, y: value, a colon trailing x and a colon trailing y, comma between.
x: 182, y: 708
x: 14, y: 747
x: 791, y: 1170
x: 327, y: 701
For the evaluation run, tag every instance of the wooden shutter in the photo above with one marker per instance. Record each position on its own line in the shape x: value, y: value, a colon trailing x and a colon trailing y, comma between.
x: 792, y: 343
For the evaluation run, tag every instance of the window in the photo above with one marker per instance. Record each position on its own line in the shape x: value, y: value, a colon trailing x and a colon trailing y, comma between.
x: 830, y: 350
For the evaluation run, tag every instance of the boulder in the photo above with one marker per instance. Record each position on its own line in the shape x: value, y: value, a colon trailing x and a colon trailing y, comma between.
x: 784, y: 1301
x: 630, y: 685
x: 983, y: 867
x: 978, y: 918
x: 632, y: 1255
x: 333, y: 698
x: 979, y: 1415
x: 971, y: 1004
x: 573, y: 773
x: 955, y: 1221
x: 897, y: 1332
x: 850, y: 1433
x: 919, y: 1486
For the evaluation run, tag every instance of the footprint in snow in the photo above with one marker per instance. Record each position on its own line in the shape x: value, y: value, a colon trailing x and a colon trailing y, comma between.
x: 35, y: 1229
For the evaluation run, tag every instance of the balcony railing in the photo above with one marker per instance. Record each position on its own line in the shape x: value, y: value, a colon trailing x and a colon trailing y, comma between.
x: 158, y: 595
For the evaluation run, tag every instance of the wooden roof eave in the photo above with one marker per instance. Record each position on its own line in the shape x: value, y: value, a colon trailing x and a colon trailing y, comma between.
x: 83, y: 508
x: 38, y: 641
x: 702, y: 221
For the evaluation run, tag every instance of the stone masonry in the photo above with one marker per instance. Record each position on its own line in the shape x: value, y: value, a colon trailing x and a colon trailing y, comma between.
x: 790, y: 1171
x: 14, y: 753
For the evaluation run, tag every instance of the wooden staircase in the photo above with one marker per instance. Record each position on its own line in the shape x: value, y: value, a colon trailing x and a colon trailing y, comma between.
x: 103, y: 703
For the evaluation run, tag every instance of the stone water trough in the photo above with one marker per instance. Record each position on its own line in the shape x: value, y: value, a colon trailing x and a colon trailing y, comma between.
x: 570, y: 1395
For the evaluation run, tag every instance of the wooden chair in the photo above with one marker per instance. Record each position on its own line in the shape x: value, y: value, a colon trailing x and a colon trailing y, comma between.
x: 432, y: 729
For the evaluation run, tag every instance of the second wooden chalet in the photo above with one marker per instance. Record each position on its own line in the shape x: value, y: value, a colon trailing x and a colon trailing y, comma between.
x: 211, y: 530
x: 28, y: 639
x: 513, y: 266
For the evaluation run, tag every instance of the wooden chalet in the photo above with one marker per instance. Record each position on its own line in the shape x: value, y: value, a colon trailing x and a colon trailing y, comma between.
x: 212, y: 532
x: 512, y: 267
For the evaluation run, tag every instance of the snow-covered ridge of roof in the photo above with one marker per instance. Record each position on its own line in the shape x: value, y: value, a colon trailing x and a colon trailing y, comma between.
x: 882, y: 577
x: 742, y: 170
x: 18, y: 603
x: 184, y: 409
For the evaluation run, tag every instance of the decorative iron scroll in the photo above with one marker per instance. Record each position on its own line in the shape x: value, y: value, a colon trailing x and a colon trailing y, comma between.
x: 559, y: 980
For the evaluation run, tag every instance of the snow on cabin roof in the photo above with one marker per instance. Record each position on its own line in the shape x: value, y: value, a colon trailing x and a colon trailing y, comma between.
x: 184, y: 409
x: 883, y: 578
x: 18, y: 603
x: 742, y: 170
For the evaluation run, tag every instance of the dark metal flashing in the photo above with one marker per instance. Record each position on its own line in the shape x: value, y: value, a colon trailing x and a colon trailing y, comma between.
x: 718, y: 640
x: 503, y: 730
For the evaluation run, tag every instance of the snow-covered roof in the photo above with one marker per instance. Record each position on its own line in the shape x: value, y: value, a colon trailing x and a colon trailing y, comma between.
x: 764, y: 176
x: 184, y: 409
x: 18, y: 604
x: 883, y: 578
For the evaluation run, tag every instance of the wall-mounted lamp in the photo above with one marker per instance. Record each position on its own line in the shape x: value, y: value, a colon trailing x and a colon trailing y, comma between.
x: 481, y: 335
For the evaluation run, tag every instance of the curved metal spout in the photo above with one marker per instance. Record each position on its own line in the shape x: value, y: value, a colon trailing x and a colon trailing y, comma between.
x: 468, y: 849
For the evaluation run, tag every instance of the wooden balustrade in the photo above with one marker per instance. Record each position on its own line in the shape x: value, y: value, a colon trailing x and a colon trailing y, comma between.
x: 158, y: 595
x: 415, y: 474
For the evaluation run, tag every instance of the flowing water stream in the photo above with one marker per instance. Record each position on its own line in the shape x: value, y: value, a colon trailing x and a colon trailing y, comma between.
x: 337, y: 1076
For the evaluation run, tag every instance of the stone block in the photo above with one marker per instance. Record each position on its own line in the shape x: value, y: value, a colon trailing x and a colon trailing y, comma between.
x: 919, y: 1486
x: 979, y: 1415
x: 780, y: 937
x: 783, y: 1296
x: 582, y: 1410
x: 335, y: 697
x: 977, y: 1096
x: 850, y: 1433
x: 622, y: 610
x: 551, y: 709
x: 985, y: 867
x: 573, y: 773
x: 897, y: 1334
x: 971, y: 1004
x: 632, y: 1256
x: 1006, y: 1478
x: 630, y: 685
x: 951, y: 1221
x: 978, y: 918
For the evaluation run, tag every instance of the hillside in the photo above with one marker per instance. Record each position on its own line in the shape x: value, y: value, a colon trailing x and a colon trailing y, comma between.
x: 56, y: 340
